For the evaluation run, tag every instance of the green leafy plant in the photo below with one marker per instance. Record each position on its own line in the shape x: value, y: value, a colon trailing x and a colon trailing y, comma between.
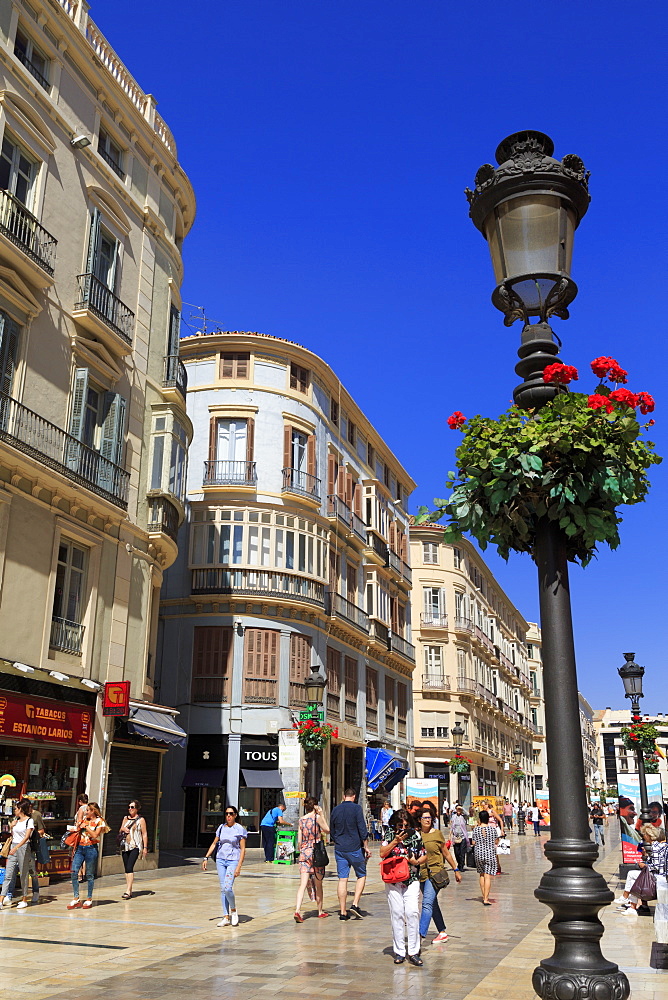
x: 313, y: 736
x: 460, y: 765
x: 573, y: 461
x: 517, y: 775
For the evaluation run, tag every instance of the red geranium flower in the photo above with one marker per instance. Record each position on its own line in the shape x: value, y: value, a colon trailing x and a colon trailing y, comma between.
x: 597, y: 402
x: 617, y: 374
x: 560, y: 374
x: 646, y: 402
x: 456, y: 420
x: 624, y: 396
x: 608, y: 367
x: 651, y: 423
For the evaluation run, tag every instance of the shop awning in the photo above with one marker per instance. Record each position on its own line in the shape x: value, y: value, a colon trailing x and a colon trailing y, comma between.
x: 383, y: 767
x: 262, y: 779
x: 204, y: 777
x: 156, y: 726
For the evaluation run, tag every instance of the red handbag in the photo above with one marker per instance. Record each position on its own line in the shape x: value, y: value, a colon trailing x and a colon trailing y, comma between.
x: 72, y: 839
x: 394, y: 869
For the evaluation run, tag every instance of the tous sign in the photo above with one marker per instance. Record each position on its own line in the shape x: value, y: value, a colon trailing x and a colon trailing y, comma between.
x: 259, y: 757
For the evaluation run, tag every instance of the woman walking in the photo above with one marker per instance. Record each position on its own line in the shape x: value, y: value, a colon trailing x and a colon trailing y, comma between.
x: 20, y: 855
x: 90, y: 829
x: 431, y: 874
x: 402, y: 897
x: 309, y: 830
x: 134, y: 845
x: 229, y: 845
x: 533, y: 815
x: 484, y: 848
x: 82, y: 805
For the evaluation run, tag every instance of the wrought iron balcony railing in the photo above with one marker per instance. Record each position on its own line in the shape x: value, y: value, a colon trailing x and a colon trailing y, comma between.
x: 22, y: 228
x: 51, y: 446
x: 163, y: 517
x: 435, y: 682
x: 66, y: 636
x: 342, y: 608
x: 30, y: 66
x: 400, y: 645
x: 114, y: 164
x: 261, y: 582
x: 226, y: 473
x: 175, y: 374
x: 295, y: 481
x: 432, y: 619
x: 94, y: 295
x: 378, y: 545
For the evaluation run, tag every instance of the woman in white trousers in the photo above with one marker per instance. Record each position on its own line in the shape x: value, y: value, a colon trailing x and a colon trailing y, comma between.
x: 403, y: 897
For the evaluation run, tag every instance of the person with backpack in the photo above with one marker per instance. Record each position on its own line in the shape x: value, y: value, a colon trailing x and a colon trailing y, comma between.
x: 406, y: 853
x: 229, y: 847
x: 20, y: 855
x: 534, y: 816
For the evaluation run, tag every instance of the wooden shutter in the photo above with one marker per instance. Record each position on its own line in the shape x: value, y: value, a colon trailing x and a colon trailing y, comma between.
x: 213, y: 435
x: 300, y: 658
x: 393, y: 536
x: 331, y: 474
x: 227, y: 366
x: 350, y: 676
x: 243, y: 364
x: 250, y: 439
x: 357, y: 499
x: 389, y: 695
x: 261, y: 652
x: 174, y: 329
x: 113, y: 425
x: 371, y: 687
x: 341, y: 482
x: 404, y: 547
x: 402, y: 700
x: 394, y: 614
x: 333, y: 670
x: 78, y: 402
x: 311, y: 466
x: 351, y: 582
x: 93, y: 241
x: 9, y: 344
x: 287, y: 447
x: 349, y: 489
x: 212, y: 651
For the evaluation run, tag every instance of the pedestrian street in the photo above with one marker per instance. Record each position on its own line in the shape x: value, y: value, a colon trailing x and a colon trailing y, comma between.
x: 165, y: 939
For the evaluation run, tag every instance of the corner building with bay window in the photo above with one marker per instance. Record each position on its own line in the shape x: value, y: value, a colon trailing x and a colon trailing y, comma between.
x: 93, y: 426
x: 294, y: 554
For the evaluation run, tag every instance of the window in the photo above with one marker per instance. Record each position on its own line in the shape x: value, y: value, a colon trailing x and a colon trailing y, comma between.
x: 97, y: 420
x: 334, y: 412
x: 102, y: 261
x: 9, y: 349
x: 351, y: 686
x: 231, y: 443
x: 333, y: 682
x: 402, y: 699
x: 234, y: 365
x: 70, y: 579
x: 212, y: 659
x: 430, y: 552
x: 371, y: 687
x: 110, y: 152
x: 352, y: 433
x: 433, y: 725
x: 370, y: 456
x: 300, y: 658
x: 168, y: 464
x: 27, y: 52
x: 261, y: 654
x: 299, y: 378
x: 433, y: 599
x: 386, y: 476
x: 433, y: 661
x: 457, y: 557
x: 18, y: 172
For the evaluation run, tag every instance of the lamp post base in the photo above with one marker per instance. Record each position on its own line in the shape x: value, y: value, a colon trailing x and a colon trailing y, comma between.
x: 552, y: 985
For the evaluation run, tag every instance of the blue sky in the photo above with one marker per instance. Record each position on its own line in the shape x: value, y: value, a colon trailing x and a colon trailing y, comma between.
x: 329, y: 144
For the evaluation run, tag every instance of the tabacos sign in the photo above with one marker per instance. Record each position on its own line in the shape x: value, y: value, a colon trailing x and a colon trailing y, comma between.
x: 259, y: 758
x: 36, y: 720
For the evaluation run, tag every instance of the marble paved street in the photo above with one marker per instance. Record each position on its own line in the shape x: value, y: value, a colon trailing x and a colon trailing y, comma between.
x: 165, y: 940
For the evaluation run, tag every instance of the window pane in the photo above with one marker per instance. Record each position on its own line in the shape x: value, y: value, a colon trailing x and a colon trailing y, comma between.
x: 278, y: 560
x: 253, y: 546
x: 237, y: 552
x: 266, y: 547
x: 156, y: 472
x: 289, y: 549
x: 225, y: 544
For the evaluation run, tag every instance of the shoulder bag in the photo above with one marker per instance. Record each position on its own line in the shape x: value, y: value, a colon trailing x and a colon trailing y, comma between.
x: 394, y: 869
x: 644, y: 886
x: 440, y: 879
x: 320, y: 856
x: 6, y: 848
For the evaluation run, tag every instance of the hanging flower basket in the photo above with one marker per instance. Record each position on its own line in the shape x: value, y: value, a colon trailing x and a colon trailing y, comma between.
x: 640, y: 736
x: 651, y: 763
x: 517, y: 775
x: 460, y: 765
x: 573, y: 461
x: 313, y: 736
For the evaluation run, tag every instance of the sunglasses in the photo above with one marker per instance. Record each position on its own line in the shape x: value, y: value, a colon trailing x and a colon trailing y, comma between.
x: 132, y: 807
x: 229, y: 813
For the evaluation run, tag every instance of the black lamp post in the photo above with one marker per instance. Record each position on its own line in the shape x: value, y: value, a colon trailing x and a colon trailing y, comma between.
x: 315, y: 688
x: 517, y: 754
x: 528, y: 209
x: 632, y: 674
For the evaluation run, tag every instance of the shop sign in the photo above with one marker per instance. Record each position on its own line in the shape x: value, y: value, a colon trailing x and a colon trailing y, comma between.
x: 260, y: 757
x: 116, y: 699
x: 37, y: 720
x: 307, y: 714
x: 289, y: 755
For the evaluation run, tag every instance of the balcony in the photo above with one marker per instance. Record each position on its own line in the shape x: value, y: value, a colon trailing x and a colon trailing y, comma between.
x: 51, y: 446
x: 431, y: 619
x: 301, y: 483
x: 336, y: 508
x: 175, y: 375
x: 66, y: 636
x: 23, y: 231
x: 463, y: 624
x: 341, y: 608
x: 466, y: 685
x: 298, y: 697
x: 510, y: 713
x: 32, y: 69
x: 483, y: 639
x: 163, y: 518
x: 379, y: 632
x: 225, y: 473
x: 209, y: 689
x: 260, y: 583
x: 103, y: 313
x: 359, y: 527
x: 435, y: 682
x: 399, y: 645
x: 260, y: 691
x: 111, y: 162
x: 378, y: 546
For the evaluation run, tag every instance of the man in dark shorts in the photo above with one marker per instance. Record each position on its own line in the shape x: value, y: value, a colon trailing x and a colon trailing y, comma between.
x: 349, y: 833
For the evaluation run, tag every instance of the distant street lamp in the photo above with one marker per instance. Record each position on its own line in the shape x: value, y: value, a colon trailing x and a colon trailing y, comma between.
x: 315, y: 689
x: 632, y: 674
x: 528, y: 209
x: 517, y: 754
x: 457, y: 733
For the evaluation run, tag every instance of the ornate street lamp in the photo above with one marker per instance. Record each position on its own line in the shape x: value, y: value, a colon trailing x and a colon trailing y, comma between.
x: 315, y: 688
x: 632, y: 674
x: 457, y: 733
x: 517, y: 754
x: 528, y: 209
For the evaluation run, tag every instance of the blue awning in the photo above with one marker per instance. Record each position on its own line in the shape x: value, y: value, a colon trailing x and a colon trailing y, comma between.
x: 383, y: 767
x: 156, y: 726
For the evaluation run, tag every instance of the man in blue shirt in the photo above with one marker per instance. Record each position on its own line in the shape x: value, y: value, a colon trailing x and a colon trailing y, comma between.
x: 268, y: 830
x: 349, y: 833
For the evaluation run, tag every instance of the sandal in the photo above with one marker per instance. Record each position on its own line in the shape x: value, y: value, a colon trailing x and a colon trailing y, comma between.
x: 298, y: 918
x: 87, y: 904
x: 323, y: 914
x: 126, y: 895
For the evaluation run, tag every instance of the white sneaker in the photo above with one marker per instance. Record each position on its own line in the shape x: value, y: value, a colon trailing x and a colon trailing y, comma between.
x: 630, y: 911
x: 225, y: 922
x: 235, y: 918
x: 22, y: 905
x: 6, y: 900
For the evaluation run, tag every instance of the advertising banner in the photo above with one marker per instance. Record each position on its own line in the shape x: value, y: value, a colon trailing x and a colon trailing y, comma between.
x: 628, y: 786
x: 421, y: 789
x: 37, y: 720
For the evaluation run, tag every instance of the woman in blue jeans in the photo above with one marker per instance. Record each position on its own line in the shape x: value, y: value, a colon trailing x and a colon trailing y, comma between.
x: 229, y: 846
x: 90, y: 830
x: 437, y: 857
